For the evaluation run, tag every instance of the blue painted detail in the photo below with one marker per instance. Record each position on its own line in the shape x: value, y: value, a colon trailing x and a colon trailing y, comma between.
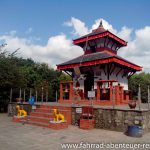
x: 32, y: 100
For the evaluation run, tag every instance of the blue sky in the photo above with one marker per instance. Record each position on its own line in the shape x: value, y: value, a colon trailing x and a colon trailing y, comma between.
x: 46, y: 17
x: 44, y: 29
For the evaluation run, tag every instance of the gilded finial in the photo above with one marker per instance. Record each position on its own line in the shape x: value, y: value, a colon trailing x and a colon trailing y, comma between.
x: 101, y: 24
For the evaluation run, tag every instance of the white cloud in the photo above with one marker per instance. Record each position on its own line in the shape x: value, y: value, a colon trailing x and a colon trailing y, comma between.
x: 138, y: 49
x: 13, y: 32
x: 125, y: 33
x: 29, y: 30
x: 106, y: 25
x: 78, y: 26
x: 59, y: 48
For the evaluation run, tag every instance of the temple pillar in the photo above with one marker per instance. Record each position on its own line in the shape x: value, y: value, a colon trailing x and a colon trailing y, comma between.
x: 71, y: 90
x: 111, y: 93
x: 117, y: 95
x: 61, y: 91
x: 127, y: 97
x: 121, y: 94
x: 98, y: 91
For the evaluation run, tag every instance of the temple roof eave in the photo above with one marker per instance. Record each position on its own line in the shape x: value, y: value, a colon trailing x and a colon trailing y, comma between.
x: 102, y: 61
x: 92, y: 36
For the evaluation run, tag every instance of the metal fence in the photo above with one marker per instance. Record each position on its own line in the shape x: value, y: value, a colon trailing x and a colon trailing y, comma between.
x: 23, y: 95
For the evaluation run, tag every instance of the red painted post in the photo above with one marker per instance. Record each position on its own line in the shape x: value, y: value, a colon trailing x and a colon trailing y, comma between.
x: 116, y: 94
x: 98, y: 91
x: 121, y: 94
x: 111, y: 94
x: 71, y: 90
x: 61, y: 92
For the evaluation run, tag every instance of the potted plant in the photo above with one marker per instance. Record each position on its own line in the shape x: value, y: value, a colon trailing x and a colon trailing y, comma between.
x: 132, y: 104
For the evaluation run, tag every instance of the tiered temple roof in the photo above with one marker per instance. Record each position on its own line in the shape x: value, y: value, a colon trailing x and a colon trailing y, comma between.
x: 100, y: 47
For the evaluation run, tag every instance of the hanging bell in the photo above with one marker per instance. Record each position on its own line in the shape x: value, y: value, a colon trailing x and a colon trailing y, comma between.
x: 104, y: 89
x: 77, y: 84
x: 66, y: 89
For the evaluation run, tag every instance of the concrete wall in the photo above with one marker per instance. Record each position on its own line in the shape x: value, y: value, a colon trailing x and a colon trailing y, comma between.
x: 12, y: 108
x: 117, y: 120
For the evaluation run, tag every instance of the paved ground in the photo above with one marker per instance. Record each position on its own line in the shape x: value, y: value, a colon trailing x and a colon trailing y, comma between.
x: 15, y: 136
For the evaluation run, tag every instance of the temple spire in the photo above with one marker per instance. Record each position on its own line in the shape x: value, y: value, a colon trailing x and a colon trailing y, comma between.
x: 101, y: 24
x: 100, y: 28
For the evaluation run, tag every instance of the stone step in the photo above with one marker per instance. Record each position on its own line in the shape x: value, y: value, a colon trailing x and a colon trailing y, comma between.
x: 54, y: 107
x: 47, y: 107
x: 39, y: 119
x: 43, y: 110
x: 41, y: 124
x: 42, y: 114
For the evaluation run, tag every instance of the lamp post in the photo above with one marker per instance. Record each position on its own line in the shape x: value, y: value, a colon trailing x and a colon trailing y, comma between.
x: 46, y: 95
x: 148, y: 99
x: 20, y: 94
x: 30, y: 92
x: 24, y: 95
x: 36, y: 95
x: 139, y: 97
x: 56, y: 95
x: 11, y: 95
x: 42, y: 94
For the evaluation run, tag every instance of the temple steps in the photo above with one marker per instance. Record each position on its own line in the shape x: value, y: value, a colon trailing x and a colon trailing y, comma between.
x: 54, y: 107
x: 36, y: 123
x: 43, y: 110
x: 38, y: 119
x: 42, y: 115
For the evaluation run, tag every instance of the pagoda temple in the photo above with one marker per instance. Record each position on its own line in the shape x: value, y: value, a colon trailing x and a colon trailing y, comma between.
x: 99, y: 75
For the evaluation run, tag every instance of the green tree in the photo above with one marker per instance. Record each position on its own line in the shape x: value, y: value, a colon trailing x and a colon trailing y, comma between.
x: 25, y: 73
x: 10, y: 77
x: 144, y: 80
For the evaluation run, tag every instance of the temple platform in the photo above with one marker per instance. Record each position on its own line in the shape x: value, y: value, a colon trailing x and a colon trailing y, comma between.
x: 115, y: 118
x: 19, y: 119
x: 28, y: 107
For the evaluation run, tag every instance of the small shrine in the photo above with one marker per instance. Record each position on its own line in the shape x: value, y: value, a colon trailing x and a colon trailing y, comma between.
x: 99, y: 76
x: 99, y: 83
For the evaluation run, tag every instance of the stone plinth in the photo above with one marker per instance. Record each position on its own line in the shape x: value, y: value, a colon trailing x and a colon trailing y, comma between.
x: 87, y: 123
x: 19, y: 119
x: 58, y: 125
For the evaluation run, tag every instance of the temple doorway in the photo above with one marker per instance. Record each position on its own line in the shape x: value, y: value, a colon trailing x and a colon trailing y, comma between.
x: 88, y: 84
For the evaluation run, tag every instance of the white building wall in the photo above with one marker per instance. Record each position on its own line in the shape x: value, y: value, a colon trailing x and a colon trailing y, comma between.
x: 99, y: 74
x: 122, y: 80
